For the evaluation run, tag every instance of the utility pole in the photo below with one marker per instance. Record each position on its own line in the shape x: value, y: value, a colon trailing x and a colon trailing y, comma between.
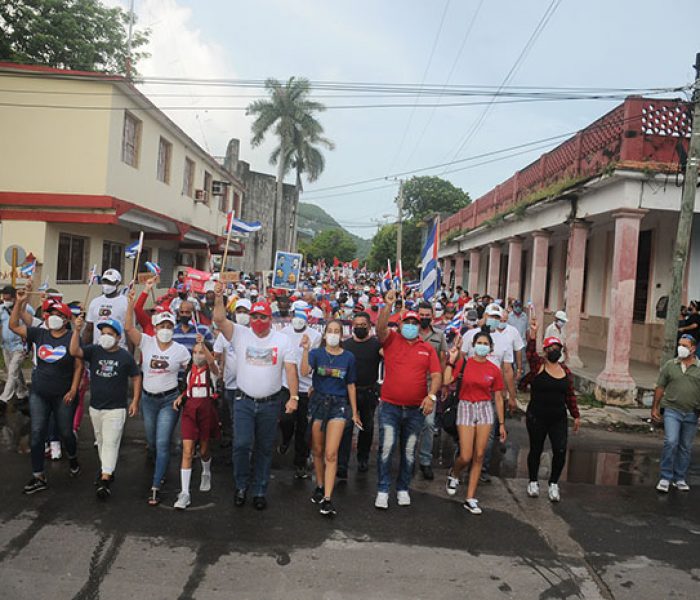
x: 399, y: 230
x: 685, y: 223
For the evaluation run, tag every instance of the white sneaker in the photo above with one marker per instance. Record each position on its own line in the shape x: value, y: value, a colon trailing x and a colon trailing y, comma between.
x: 472, y: 505
x: 554, y: 492
x: 382, y: 500
x: 55, y: 450
x: 205, y: 482
x: 663, y: 486
x: 403, y: 498
x: 681, y: 485
x: 183, y: 501
x: 451, y: 485
x: 533, y: 489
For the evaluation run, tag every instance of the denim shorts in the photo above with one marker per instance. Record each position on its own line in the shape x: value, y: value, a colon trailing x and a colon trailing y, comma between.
x: 324, y: 408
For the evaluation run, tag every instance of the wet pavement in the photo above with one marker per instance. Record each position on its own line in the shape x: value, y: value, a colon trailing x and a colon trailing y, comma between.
x: 612, y: 536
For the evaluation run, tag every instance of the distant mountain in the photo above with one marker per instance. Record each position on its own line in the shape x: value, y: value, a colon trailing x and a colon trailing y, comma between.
x: 316, y: 219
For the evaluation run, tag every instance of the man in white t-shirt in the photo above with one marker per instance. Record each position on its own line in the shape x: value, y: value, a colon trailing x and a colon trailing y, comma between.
x: 295, y: 424
x: 111, y: 304
x: 261, y: 355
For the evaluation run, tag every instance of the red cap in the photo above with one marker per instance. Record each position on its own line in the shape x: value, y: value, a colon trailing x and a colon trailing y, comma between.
x: 64, y: 309
x: 48, y: 303
x: 410, y: 314
x: 395, y: 318
x: 261, y: 308
x: 375, y: 300
x: 551, y: 341
x: 359, y: 307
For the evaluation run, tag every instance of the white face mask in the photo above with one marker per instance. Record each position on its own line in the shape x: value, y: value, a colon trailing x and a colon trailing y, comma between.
x: 683, y: 352
x: 54, y: 322
x: 106, y: 341
x: 243, y: 318
x: 298, y: 323
x: 108, y: 288
x: 199, y: 359
x: 164, y: 335
x: 333, y: 339
x: 9, y: 304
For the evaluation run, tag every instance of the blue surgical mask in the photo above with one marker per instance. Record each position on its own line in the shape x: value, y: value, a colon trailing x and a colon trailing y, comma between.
x: 560, y: 324
x: 482, y: 349
x: 501, y: 325
x: 409, y: 331
x: 492, y: 323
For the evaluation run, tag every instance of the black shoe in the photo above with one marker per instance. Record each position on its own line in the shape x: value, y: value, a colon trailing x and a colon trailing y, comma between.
x: 282, y: 448
x: 103, y: 490
x: 259, y: 502
x: 485, y: 478
x: 239, y: 498
x: 35, y: 484
x: 362, y: 466
x: 427, y: 471
x: 301, y: 473
x: 327, y: 508
x: 317, y: 496
x: 74, y: 467
x: 342, y: 474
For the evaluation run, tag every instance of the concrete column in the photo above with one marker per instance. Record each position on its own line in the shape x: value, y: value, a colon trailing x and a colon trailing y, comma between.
x: 615, y: 384
x: 515, y: 257
x: 474, y: 265
x: 459, y: 269
x: 575, y: 265
x: 494, y: 270
x: 538, y: 279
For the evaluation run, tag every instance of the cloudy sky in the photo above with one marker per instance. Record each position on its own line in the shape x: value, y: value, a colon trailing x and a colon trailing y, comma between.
x: 618, y: 44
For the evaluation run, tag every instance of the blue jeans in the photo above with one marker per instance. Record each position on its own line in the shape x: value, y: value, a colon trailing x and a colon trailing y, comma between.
x: 679, y: 433
x: 41, y: 409
x: 159, y: 420
x: 254, y: 434
x: 230, y: 398
x: 402, y: 425
x: 425, y: 453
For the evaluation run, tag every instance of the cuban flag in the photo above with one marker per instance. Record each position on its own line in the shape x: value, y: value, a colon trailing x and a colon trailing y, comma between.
x: 93, y: 275
x: 28, y: 269
x: 456, y: 323
x: 51, y: 354
x: 429, y: 280
x: 44, y: 286
x: 398, y: 276
x: 132, y: 250
x: 387, y: 281
x: 233, y: 224
x: 153, y: 267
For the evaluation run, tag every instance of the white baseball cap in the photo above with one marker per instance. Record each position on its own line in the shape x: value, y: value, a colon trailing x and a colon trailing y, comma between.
x: 112, y: 275
x: 560, y: 315
x: 243, y: 303
x: 493, y: 310
x: 159, y: 318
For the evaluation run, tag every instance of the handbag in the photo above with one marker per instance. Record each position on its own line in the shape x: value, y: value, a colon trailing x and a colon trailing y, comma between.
x: 449, y: 414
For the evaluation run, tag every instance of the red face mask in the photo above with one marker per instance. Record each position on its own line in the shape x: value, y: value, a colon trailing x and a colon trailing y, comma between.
x: 260, y: 327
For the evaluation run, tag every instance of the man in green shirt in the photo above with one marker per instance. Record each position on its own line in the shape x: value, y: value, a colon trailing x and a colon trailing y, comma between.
x: 678, y: 393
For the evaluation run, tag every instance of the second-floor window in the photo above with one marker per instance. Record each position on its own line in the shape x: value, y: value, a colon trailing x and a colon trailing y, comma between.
x: 165, y: 150
x: 207, y: 186
x: 188, y: 178
x: 112, y: 256
x: 72, y: 251
x: 131, y: 140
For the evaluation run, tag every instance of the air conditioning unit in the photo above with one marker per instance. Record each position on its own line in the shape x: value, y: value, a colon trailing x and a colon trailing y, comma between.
x: 201, y: 196
x: 218, y: 188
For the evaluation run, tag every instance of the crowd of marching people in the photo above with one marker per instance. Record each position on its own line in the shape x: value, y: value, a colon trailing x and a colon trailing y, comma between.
x: 263, y: 370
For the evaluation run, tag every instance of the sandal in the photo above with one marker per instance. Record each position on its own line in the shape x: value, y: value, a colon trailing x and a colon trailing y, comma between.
x: 154, y: 498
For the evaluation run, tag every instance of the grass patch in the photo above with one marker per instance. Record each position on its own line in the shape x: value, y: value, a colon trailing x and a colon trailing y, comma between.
x: 589, y: 399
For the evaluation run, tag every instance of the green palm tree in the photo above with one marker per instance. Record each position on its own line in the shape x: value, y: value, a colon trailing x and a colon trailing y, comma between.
x: 290, y: 115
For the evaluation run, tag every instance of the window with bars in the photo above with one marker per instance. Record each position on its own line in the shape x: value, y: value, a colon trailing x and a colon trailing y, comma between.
x: 72, y: 252
x: 131, y: 140
x: 112, y: 256
x: 188, y: 178
x: 207, y: 186
x: 165, y: 150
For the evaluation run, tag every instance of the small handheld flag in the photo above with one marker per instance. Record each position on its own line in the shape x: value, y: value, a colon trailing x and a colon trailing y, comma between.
x: 233, y: 224
x: 44, y: 286
x: 153, y: 267
x: 93, y: 275
x: 28, y: 269
x: 132, y: 250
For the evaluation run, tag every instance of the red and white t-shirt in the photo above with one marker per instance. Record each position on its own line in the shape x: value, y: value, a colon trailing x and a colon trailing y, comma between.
x: 260, y: 361
x: 480, y: 381
x: 406, y: 366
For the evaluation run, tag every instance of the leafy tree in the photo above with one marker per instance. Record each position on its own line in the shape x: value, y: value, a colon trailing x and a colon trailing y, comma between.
x: 331, y: 243
x: 290, y: 115
x: 424, y: 196
x: 71, y: 34
x: 384, y: 247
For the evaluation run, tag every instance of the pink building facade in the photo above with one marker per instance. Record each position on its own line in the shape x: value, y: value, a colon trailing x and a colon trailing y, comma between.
x: 589, y: 228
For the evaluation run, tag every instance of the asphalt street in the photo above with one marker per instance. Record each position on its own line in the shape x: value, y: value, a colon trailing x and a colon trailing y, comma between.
x: 612, y: 536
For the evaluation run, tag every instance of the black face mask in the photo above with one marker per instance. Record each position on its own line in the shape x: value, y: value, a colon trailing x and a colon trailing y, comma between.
x: 184, y: 320
x: 360, y: 332
x: 425, y: 322
x: 374, y: 308
x: 284, y: 312
x: 553, y: 355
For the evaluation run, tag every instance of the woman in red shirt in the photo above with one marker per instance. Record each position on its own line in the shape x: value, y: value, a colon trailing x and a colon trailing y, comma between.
x: 481, y: 382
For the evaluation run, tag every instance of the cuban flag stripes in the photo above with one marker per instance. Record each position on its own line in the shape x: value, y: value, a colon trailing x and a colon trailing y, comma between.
x: 387, y: 282
x: 93, y: 275
x: 429, y: 266
x: 28, y: 269
x: 233, y: 224
x: 153, y: 267
x: 132, y: 250
x: 51, y: 354
x: 456, y: 323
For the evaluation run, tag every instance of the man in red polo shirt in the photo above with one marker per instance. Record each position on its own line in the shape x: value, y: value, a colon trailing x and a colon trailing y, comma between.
x: 408, y: 361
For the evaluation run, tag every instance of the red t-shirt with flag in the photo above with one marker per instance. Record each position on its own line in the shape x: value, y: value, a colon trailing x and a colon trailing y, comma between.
x: 406, y: 367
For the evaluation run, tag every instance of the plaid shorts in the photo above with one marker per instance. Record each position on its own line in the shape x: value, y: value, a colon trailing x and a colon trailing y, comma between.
x: 475, y: 413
